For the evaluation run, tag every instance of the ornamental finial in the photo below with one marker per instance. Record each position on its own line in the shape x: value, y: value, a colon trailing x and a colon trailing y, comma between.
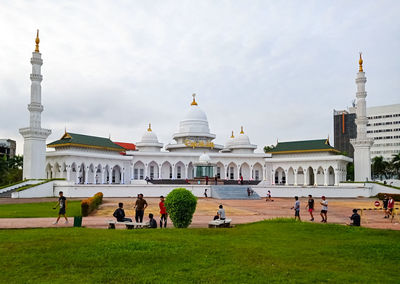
x: 194, y: 100
x: 37, y: 41
x: 149, y: 129
x: 241, y: 130
x: 232, y: 136
x: 360, y: 62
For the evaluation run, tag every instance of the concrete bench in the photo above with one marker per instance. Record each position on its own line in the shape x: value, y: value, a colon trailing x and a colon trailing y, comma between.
x: 129, y: 225
x: 220, y: 223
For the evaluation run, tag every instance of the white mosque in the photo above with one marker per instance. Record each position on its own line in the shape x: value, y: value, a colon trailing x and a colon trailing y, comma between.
x: 82, y: 159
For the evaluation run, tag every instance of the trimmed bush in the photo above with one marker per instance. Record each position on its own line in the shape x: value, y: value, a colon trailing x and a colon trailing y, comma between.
x: 181, y: 204
x: 396, y: 197
x: 92, y: 203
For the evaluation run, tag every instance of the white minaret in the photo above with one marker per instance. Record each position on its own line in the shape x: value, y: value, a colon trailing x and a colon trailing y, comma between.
x: 34, y: 135
x: 362, y: 144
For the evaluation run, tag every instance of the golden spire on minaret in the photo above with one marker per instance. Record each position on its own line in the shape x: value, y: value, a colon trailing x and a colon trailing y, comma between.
x: 232, y: 136
x: 241, y: 130
x: 194, y: 100
x: 360, y: 62
x: 149, y: 129
x: 37, y: 41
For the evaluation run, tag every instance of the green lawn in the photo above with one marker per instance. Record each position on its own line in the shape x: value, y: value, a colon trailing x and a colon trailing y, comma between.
x: 41, y: 209
x: 269, y: 251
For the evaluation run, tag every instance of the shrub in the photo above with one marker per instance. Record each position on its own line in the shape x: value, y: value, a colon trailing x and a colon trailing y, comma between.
x: 396, y: 197
x: 181, y: 204
x: 90, y: 204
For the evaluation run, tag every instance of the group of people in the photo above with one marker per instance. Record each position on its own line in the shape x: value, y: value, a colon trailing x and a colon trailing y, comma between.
x: 140, y: 206
x: 388, y: 206
x: 311, y: 207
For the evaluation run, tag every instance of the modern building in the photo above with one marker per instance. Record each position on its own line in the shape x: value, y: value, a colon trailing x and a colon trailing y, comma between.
x: 7, y: 147
x: 383, y: 126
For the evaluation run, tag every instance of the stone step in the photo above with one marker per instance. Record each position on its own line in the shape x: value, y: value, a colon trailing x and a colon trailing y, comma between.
x: 232, y: 192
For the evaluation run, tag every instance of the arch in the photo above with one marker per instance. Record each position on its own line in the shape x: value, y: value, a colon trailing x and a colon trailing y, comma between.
x: 310, y: 176
x: 331, y: 176
x: 320, y: 179
x: 153, y: 170
x: 106, y: 174
x: 166, y: 170
x: 98, y: 174
x: 232, y: 171
x: 258, y: 172
x: 280, y: 177
x: 81, y: 173
x: 49, y: 173
x: 245, y: 171
x: 57, y: 170
x: 138, y: 170
x: 290, y: 176
x: 220, y: 171
x: 117, y: 174
x: 91, y: 174
x: 74, y: 173
x: 300, y: 176
x: 180, y: 170
x: 190, y: 171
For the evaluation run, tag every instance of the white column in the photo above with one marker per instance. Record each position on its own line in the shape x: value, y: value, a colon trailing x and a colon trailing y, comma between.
x: 226, y: 173
x: 315, y: 177
x: 185, y: 171
x: 94, y: 175
x: 295, y: 177
x: 286, y: 177
x: 146, y: 170
x: 86, y: 175
x: 336, y: 177
x: 110, y: 175
x: 238, y: 172
x: 305, y: 173
x: 77, y: 171
x: 68, y: 168
x: 123, y: 176
x: 159, y: 171
x: 102, y: 175
x: 173, y: 171
x: 264, y: 172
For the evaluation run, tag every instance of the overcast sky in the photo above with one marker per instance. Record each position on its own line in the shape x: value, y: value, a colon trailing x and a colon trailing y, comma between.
x: 278, y: 68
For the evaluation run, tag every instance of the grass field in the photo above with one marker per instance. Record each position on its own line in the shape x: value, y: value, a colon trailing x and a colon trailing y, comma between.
x: 40, y: 209
x: 268, y: 251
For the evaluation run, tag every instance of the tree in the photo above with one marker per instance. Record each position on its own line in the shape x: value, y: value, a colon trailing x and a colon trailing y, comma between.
x: 181, y: 204
x: 10, y: 169
x: 350, y: 172
x: 396, y: 163
x: 380, y: 167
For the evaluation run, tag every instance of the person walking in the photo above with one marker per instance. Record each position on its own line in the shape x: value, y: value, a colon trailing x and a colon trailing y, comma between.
x: 140, y: 206
x: 205, y: 193
x: 296, y: 208
x: 310, y: 206
x: 206, y: 180
x: 269, y: 196
x: 163, y: 212
x: 119, y: 214
x: 241, y: 179
x: 324, y: 210
x: 385, y: 206
x: 62, y: 203
x: 391, y: 208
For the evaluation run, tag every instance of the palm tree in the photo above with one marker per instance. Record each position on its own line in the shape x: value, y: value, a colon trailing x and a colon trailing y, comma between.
x: 379, y: 167
x: 396, y: 163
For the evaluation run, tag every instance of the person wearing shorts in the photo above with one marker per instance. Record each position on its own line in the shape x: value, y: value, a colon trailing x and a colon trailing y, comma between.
x: 62, y: 203
x: 324, y: 211
x: 310, y: 206
x: 391, y: 207
x: 385, y: 206
x: 163, y: 212
x: 296, y: 208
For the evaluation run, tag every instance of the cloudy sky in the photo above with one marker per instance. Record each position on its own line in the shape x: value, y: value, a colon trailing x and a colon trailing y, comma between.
x: 278, y: 68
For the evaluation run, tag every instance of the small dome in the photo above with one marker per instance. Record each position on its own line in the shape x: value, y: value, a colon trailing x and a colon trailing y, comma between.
x: 242, y: 139
x: 149, y: 136
x: 204, y: 158
x: 230, y: 141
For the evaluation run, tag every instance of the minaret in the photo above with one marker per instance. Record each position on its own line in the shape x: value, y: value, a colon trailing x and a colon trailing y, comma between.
x: 34, y: 135
x: 362, y: 144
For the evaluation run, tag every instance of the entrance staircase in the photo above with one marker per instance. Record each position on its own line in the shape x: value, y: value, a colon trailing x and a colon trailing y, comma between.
x: 232, y: 192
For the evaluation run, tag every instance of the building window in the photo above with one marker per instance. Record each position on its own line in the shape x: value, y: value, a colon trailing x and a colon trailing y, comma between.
x: 152, y: 172
x: 218, y: 172
x: 178, y: 172
x: 231, y: 174
x: 135, y: 174
x: 170, y: 172
x: 141, y: 173
x: 257, y: 175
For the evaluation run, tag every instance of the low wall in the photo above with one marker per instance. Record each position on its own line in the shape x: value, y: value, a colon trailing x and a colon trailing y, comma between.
x: 18, y: 185
x: 129, y: 190
x: 42, y: 190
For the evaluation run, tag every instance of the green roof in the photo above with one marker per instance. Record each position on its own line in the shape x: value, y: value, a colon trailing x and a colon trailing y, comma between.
x: 86, y: 141
x: 319, y: 145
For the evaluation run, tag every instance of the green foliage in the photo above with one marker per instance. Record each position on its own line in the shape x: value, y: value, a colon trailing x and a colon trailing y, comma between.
x: 267, y: 149
x: 10, y: 169
x: 396, y: 197
x: 276, y: 251
x: 38, y: 209
x: 91, y: 204
x: 350, y: 172
x: 181, y: 204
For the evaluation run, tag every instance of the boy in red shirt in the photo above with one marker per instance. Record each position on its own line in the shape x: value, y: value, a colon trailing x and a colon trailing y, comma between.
x: 391, y: 207
x: 163, y: 212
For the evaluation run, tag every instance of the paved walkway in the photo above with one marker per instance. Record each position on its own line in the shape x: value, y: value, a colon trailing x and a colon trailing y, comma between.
x: 240, y: 211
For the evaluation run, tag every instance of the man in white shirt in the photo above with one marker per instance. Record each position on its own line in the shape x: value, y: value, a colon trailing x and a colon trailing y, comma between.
x: 324, y: 210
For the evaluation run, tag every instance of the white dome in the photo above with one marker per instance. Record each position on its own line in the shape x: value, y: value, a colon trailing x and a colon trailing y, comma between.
x: 195, y: 121
x: 204, y: 158
x: 242, y: 139
x: 230, y: 141
x: 149, y: 136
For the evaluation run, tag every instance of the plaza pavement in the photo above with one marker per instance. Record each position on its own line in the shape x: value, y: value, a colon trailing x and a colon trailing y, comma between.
x: 240, y: 211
